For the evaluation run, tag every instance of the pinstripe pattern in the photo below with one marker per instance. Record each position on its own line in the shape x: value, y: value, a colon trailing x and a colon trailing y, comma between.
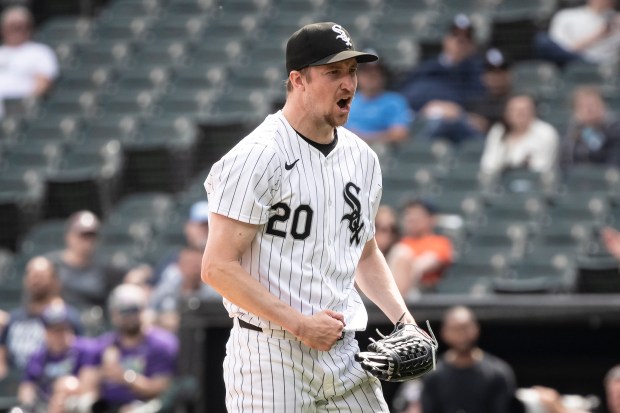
x: 276, y: 374
x: 315, y: 214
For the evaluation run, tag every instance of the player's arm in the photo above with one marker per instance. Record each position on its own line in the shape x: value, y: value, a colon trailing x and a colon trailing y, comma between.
x: 374, y: 278
x: 221, y: 268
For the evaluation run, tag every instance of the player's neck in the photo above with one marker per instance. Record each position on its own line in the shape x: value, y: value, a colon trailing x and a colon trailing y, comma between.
x: 322, y: 132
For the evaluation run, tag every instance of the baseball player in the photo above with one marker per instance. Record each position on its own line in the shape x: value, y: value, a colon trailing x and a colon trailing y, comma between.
x: 291, y: 233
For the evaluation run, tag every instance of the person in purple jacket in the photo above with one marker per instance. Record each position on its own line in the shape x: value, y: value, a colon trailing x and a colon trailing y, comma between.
x: 136, y: 363
x: 62, y: 355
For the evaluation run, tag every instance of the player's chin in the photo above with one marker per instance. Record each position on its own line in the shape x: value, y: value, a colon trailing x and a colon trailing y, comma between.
x: 337, y: 119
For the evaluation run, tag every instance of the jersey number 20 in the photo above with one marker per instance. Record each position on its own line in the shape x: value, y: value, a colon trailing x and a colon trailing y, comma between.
x: 284, y: 213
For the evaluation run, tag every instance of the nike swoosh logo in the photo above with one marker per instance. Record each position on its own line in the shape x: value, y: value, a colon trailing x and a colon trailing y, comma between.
x: 288, y: 167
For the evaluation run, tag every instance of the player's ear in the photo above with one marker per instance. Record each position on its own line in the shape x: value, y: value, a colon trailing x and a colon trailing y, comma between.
x: 296, y: 79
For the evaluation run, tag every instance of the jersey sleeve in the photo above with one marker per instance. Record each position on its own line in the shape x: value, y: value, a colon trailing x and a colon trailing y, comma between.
x: 376, y: 190
x: 242, y: 184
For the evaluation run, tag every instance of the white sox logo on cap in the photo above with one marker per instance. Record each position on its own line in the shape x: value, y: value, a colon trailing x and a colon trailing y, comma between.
x: 342, y: 35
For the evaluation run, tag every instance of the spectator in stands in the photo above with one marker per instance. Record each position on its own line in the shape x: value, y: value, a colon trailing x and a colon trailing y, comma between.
x: 24, y: 334
x: 27, y: 68
x: 420, y: 258
x: 386, y: 228
x: 467, y: 379
x: 456, y: 123
x: 378, y: 116
x: 611, y: 239
x: 63, y: 354
x: 86, y: 281
x: 589, y: 33
x: 593, y: 135
x: 454, y: 76
x: 180, y: 281
x: 408, y: 397
x: 612, y: 389
x: 520, y: 141
x: 196, y: 231
x: 136, y: 362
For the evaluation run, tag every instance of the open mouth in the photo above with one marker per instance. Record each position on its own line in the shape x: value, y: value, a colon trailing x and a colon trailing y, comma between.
x: 343, y: 103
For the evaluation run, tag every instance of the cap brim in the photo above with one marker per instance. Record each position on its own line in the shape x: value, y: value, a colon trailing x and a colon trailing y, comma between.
x: 361, y: 57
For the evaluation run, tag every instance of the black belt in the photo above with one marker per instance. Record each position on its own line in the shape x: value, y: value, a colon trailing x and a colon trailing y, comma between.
x: 245, y: 324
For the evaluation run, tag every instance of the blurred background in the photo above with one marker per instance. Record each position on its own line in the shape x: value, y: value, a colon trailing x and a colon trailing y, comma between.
x: 494, y: 122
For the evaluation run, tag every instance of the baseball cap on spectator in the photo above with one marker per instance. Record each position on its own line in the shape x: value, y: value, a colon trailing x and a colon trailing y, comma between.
x: 55, y: 314
x: 495, y: 59
x: 127, y: 299
x: 83, y: 222
x: 461, y: 25
x: 429, y: 206
x: 319, y: 44
x: 199, y: 212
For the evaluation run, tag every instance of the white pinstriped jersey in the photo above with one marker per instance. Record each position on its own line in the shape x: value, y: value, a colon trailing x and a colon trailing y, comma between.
x: 315, y: 213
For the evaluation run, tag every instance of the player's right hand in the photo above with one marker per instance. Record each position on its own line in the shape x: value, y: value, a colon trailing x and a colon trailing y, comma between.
x: 321, y: 330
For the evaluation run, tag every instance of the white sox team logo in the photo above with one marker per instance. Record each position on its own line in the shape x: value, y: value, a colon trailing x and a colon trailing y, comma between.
x: 342, y: 35
x: 355, y: 226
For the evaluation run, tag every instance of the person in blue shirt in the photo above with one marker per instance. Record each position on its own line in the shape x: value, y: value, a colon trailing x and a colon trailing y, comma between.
x: 453, y: 76
x: 378, y: 115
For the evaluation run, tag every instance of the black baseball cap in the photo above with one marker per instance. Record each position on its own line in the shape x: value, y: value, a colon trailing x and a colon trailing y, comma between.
x: 319, y: 44
x: 461, y: 25
x: 495, y: 59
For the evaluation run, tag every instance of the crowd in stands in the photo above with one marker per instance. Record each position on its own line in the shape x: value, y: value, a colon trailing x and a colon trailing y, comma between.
x: 462, y: 94
x: 48, y: 341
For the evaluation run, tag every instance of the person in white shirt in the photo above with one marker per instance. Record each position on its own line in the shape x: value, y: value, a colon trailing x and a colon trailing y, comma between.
x: 589, y: 33
x: 27, y: 68
x: 520, y: 141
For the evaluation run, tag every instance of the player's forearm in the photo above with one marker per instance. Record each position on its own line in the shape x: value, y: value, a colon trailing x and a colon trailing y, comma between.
x: 236, y: 285
x: 374, y: 278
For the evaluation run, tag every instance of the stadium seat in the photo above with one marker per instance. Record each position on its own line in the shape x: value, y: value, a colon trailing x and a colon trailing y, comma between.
x: 579, y: 73
x: 463, y: 176
x: 537, y: 274
x: 153, y: 208
x: 515, y: 207
x: 62, y: 128
x: 105, y: 54
x: 180, y: 27
x: 587, y: 207
x: 20, y: 206
x: 535, y: 77
x: 114, y: 127
x: 471, y: 285
x: 161, y: 157
x: 163, y: 53
x: 6, y: 263
x: 122, y: 28
x: 71, y: 102
x: 65, y: 28
x: 44, y: 237
x: 8, y: 390
x: 509, y: 235
x: 123, y: 102
x: 591, y: 177
x: 134, y: 8
x: 85, y: 79
x: 466, y: 204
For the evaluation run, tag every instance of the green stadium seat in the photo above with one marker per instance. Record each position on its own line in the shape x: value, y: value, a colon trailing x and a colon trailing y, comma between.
x: 591, y: 177
x: 44, y: 237
x: 85, y: 79
x: 123, y: 102
x: 8, y: 390
x: 466, y: 204
x: 20, y: 206
x: 537, y: 274
x: 115, y: 53
x: 153, y: 208
x: 515, y: 207
x: 590, y: 207
x: 135, y: 8
x: 174, y: 27
x: 163, y: 53
x: 161, y: 158
x: 122, y: 28
x: 6, y: 263
x: 113, y: 127
x: 71, y: 102
x: 62, y: 128
x: 64, y: 28
x: 471, y: 285
x: 536, y: 77
x: 190, y: 7
x: 578, y: 73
